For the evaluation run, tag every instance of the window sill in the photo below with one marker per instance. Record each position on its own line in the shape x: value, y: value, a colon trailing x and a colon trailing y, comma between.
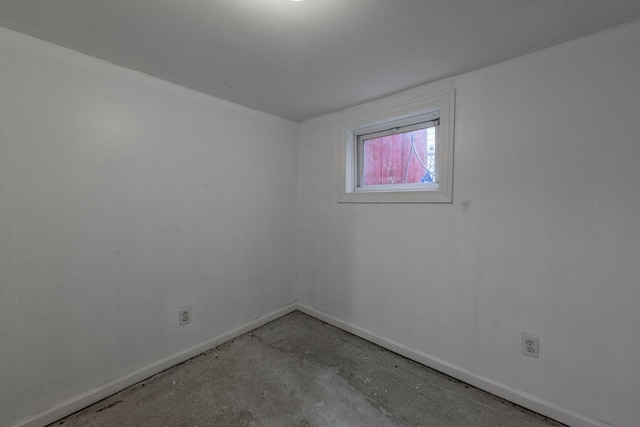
x: 431, y: 196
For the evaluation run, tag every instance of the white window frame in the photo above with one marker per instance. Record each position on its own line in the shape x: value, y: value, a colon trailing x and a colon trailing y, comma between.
x: 390, y: 113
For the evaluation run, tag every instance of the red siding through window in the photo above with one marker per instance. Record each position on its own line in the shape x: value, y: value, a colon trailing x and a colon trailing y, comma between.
x: 401, y: 158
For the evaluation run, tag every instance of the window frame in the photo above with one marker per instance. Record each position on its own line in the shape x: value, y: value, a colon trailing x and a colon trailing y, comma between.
x: 388, y: 114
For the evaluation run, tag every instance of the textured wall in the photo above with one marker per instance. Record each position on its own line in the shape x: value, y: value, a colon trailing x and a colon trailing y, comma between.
x: 543, y: 234
x: 122, y: 199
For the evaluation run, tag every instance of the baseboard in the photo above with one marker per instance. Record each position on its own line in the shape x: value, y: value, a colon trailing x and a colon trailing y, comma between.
x: 92, y: 396
x: 523, y: 399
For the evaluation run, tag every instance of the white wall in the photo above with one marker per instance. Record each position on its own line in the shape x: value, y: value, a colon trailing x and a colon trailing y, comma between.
x: 543, y: 235
x: 122, y: 199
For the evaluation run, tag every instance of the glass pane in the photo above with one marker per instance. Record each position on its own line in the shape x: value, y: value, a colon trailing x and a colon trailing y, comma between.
x: 402, y: 158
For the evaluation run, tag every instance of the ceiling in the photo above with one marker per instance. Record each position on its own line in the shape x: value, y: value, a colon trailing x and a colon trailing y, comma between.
x: 302, y: 59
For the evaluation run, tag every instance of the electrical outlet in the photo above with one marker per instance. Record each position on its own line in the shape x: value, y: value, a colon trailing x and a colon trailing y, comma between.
x: 530, y: 345
x: 185, y: 315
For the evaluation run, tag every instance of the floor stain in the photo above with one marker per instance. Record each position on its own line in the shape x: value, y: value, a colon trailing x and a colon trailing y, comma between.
x: 299, y: 371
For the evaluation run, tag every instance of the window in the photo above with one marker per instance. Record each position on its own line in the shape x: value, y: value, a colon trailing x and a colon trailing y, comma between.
x: 402, y: 157
x: 399, y: 154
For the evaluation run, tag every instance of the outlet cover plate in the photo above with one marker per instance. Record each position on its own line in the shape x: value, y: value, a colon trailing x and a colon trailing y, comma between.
x: 185, y: 315
x: 530, y: 345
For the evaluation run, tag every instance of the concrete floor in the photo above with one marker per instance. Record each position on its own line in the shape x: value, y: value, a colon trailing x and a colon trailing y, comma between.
x: 298, y: 371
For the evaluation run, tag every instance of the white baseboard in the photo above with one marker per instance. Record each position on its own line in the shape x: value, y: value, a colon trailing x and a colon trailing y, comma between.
x: 92, y: 396
x: 523, y: 399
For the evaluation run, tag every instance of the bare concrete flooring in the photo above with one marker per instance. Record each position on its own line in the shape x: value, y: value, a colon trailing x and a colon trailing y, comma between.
x: 298, y: 371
